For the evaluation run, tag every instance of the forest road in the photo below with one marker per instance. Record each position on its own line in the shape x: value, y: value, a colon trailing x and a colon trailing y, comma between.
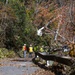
x: 17, y: 66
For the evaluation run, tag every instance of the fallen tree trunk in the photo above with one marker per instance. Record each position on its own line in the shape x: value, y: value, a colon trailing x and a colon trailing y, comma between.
x: 60, y: 59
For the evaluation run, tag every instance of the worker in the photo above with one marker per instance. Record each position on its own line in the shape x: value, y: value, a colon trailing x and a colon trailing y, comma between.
x: 42, y: 49
x: 30, y: 50
x: 24, y: 50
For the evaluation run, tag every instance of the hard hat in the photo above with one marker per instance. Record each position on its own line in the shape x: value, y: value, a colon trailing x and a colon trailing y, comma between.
x: 24, y: 44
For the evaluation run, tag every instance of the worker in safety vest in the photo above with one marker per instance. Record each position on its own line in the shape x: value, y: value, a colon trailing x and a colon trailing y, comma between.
x: 36, y: 48
x: 42, y: 49
x: 30, y: 50
x: 24, y: 50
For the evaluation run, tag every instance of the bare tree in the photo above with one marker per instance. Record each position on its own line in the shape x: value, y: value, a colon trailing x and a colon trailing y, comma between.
x: 6, y: 1
x: 71, y: 11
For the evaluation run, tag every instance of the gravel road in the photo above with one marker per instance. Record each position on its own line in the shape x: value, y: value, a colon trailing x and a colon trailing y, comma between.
x: 18, y: 66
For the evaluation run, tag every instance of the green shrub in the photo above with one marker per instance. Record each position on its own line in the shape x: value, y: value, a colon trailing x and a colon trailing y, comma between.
x: 10, y: 54
x: 4, y: 53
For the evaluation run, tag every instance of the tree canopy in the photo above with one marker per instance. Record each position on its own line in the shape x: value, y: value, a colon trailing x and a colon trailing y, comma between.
x: 20, y: 20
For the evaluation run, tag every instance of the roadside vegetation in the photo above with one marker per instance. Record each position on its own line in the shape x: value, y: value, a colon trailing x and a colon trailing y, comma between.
x: 20, y: 20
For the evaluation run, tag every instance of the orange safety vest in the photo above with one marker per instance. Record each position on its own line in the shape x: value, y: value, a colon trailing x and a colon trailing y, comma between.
x: 24, y: 48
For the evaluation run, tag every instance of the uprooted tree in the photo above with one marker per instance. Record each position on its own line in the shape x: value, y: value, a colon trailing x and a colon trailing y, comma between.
x: 57, y: 18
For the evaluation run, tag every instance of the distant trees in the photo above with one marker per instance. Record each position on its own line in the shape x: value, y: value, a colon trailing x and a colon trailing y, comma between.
x: 16, y: 26
x: 20, y: 19
x: 48, y: 13
x: 7, y: 19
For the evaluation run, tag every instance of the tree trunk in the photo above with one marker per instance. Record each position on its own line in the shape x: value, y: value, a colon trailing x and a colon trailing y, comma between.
x: 6, y: 1
x: 71, y: 11
x: 59, y: 2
